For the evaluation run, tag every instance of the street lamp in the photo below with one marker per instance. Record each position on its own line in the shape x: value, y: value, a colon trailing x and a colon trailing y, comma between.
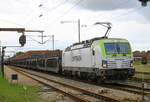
x: 78, y: 22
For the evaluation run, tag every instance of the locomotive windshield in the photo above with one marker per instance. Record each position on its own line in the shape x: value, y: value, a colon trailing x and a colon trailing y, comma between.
x: 117, y: 48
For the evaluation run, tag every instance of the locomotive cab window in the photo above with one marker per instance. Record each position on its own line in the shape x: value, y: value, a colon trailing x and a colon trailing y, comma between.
x: 117, y: 48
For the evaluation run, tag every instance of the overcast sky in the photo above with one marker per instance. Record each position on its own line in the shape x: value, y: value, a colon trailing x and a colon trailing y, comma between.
x: 129, y: 20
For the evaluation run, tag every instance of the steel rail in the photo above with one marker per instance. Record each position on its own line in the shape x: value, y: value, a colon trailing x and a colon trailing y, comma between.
x: 140, y: 79
x: 146, y: 73
x: 72, y: 96
x: 129, y: 88
x: 87, y: 92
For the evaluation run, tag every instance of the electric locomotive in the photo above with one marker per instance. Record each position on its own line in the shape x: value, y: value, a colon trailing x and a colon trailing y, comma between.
x: 99, y: 59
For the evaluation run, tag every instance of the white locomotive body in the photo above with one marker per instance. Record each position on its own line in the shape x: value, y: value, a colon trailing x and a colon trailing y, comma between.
x: 90, y: 59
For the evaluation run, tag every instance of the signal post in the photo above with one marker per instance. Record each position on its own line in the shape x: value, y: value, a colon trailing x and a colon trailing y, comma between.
x: 22, y: 41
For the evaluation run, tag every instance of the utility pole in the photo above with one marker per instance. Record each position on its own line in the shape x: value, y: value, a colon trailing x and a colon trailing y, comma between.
x: 79, y: 30
x: 53, y: 41
x: 42, y: 37
x: 78, y: 22
x: 2, y: 60
x: 0, y: 53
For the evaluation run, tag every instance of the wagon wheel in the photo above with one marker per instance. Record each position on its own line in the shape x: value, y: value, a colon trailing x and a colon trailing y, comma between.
x: 100, y: 80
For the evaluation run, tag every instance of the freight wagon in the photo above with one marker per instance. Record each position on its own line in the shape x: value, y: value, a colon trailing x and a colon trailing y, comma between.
x: 38, y: 60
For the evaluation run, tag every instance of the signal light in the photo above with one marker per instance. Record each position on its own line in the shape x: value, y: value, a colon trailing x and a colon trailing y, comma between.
x: 22, y: 39
x: 144, y: 2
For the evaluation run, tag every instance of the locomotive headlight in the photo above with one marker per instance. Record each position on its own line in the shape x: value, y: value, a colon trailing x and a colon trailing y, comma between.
x: 104, y: 63
x: 131, y: 63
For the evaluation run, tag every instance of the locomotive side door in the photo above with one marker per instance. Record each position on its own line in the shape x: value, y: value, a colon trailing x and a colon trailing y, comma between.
x: 93, y: 57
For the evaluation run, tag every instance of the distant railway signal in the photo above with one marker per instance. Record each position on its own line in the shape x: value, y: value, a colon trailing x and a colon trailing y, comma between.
x: 22, y: 39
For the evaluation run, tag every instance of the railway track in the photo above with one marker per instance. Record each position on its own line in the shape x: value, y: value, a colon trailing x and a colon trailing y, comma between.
x: 140, y: 80
x: 142, y: 74
x: 147, y: 73
x: 129, y: 88
x: 125, y: 87
x: 76, y: 93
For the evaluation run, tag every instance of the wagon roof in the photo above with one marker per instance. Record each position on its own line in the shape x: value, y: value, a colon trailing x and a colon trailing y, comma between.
x: 47, y: 53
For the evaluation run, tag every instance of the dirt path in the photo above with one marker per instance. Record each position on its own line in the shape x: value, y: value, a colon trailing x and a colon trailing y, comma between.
x: 46, y: 93
x: 23, y: 80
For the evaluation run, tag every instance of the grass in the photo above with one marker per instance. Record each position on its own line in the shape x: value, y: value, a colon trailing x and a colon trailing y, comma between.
x: 17, y: 93
x: 142, y: 68
x: 142, y: 76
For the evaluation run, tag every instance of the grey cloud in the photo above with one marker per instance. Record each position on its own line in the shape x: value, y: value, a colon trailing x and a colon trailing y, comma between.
x: 111, y: 5
x: 145, y: 12
x: 97, y: 5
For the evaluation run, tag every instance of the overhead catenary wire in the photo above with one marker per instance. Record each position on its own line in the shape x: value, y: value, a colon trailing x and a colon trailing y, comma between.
x: 32, y: 18
x: 77, y: 3
x: 4, y: 20
x: 66, y: 12
x: 55, y: 7
x: 127, y: 13
x: 43, y: 42
x: 17, y: 24
x: 46, y: 9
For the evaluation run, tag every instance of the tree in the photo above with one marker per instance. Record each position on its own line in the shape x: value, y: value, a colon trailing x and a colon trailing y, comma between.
x: 144, y: 57
x: 19, y: 53
x: 137, y: 54
x: 148, y: 55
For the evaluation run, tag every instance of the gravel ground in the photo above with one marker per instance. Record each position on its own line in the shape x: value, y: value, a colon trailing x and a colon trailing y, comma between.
x: 118, y: 94
x: 23, y: 80
x: 46, y: 93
